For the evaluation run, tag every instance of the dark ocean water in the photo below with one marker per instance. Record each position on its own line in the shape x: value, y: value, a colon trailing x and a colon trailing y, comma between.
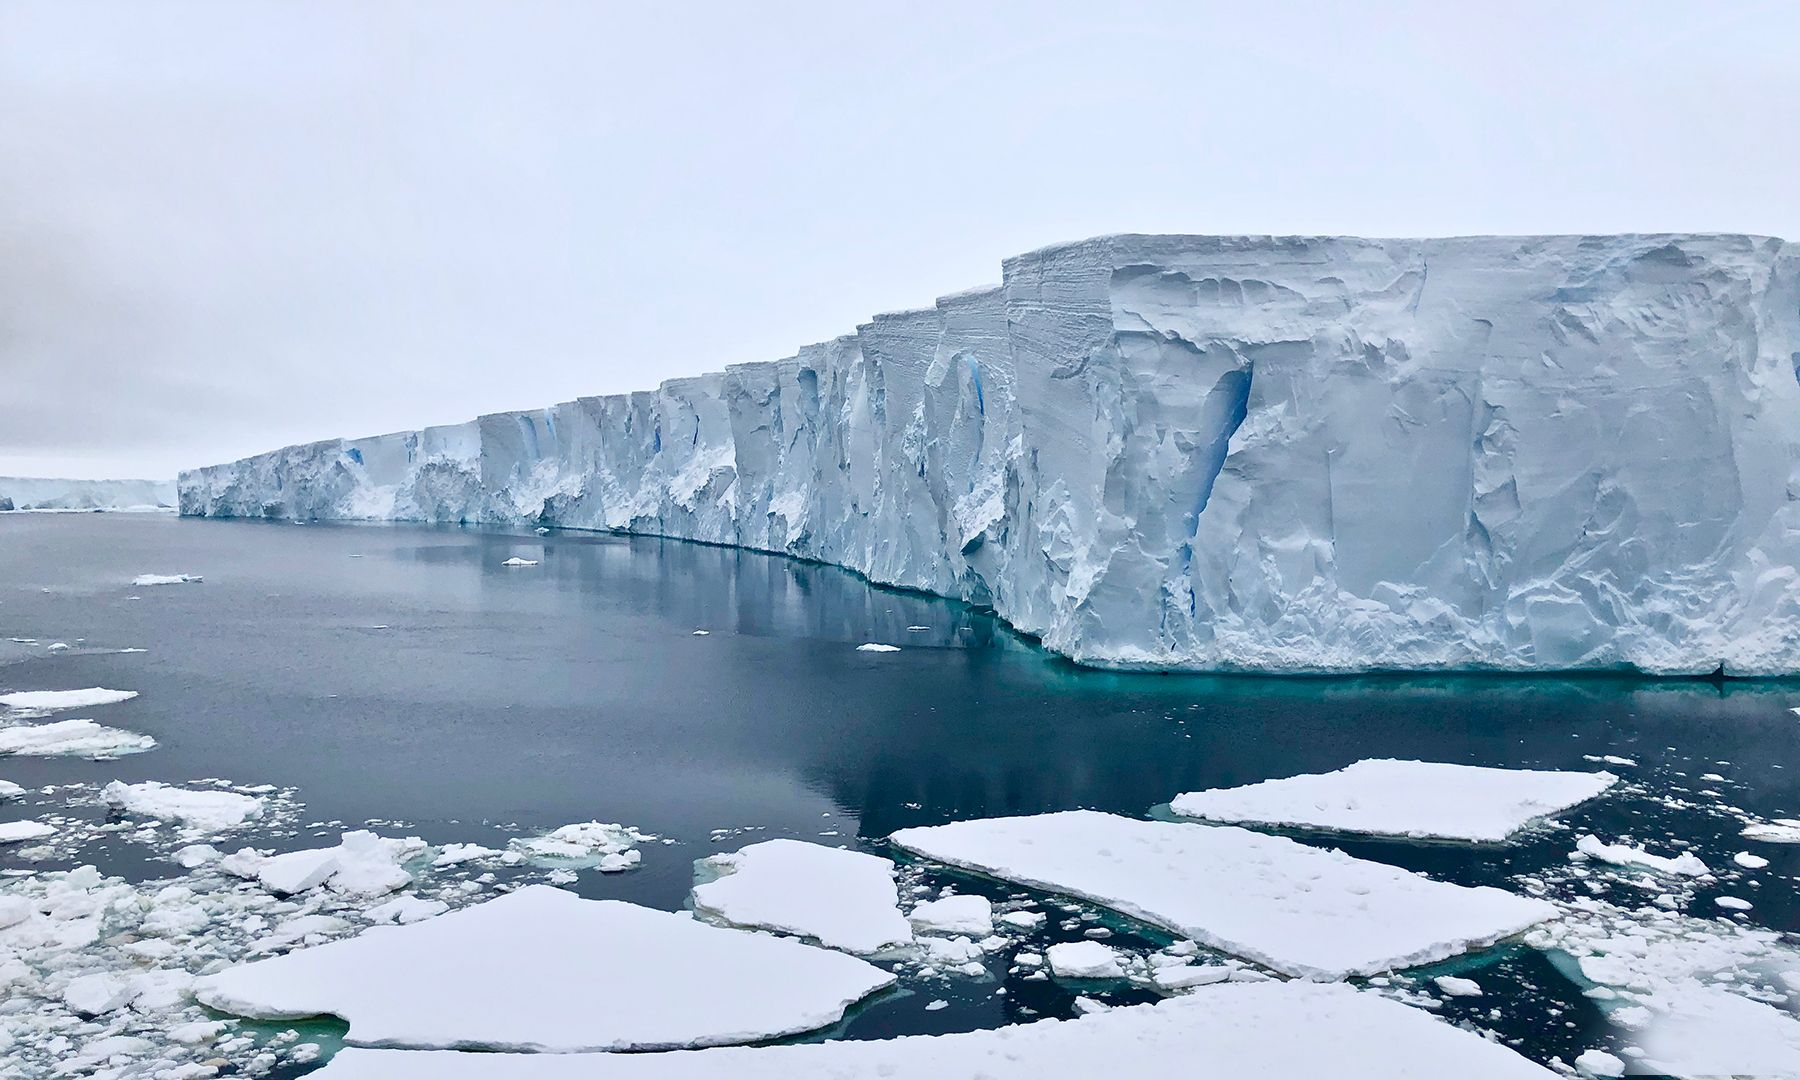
x: 492, y: 698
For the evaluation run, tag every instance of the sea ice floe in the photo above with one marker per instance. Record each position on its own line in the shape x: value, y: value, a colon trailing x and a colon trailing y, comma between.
x: 876, y: 646
x: 1599, y: 1063
x: 1418, y: 799
x: 603, y: 845
x: 1779, y: 831
x: 1299, y: 910
x: 1749, y: 861
x: 1267, y: 1029
x: 165, y: 579
x: 15, y: 832
x: 10, y: 790
x: 543, y: 970
x: 72, y: 738
x: 962, y: 914
x: 843, y: 899
x: 1084, y: 960
x: 197, y: 811
x: 1698, y: 1031
x: 362, y: 864
x: 1456, y: 987
x: 65, y: 699
x: 1686, y: 864
x: 516, y: 561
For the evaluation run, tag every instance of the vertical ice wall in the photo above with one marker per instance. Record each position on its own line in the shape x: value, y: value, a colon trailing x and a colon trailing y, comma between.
x: 1229, y: 453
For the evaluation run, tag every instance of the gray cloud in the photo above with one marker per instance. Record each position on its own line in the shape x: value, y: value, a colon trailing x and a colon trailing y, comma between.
x: 225, y: 227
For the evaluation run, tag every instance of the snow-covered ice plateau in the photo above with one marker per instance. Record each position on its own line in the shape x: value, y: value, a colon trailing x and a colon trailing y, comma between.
x: 1220, y: 453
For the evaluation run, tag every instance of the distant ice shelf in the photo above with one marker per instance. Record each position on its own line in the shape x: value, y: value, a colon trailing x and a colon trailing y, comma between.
x: 1283, y: 454
x: 36, y: 493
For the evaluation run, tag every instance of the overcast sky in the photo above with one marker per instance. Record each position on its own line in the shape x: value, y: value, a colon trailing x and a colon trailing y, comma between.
x: 225, y: 227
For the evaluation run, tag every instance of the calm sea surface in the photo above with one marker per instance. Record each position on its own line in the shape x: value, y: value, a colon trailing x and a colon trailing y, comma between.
x: 401, y: 674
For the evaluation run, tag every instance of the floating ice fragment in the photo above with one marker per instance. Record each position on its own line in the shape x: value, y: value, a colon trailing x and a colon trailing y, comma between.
x: 99, y: 993
x: 1270, y: 1029
x: 605, y: 845
x: 1687, y: 864
x: 842, y: 899
x: 702, y: 633
x: 1084, y: 960
x: 65, y: 699
x: 963, y: 914
x: 1779, y: 831
x: 1733, y: 903
x: 1417, y: 799
x: 1023, y: 920
x: 1599, y: 1063
x: 165, y: 579
x: 516, y: 561
x: 543, y: 970
x: 10, y: 790
x: 72, y: 738
x: 1749, y: 861
x: 198, y: 811
x: 1300, y: 910
x: 876, y: 646
x: 1456, y: 987
x: 15, y: 832
x: 1188, y: 976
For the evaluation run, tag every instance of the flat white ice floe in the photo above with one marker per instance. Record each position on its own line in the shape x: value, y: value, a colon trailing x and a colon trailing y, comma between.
x: 14, y: 832
x: 1262, y: 1029
x: 197, y: 811
x: 1084, y: 960
x: 1424, y: 800
x: 963, y: 914
x: 543, y: 970
x: 843, y: 899
x: 516, y: 561
x: 166, y: 579
x: 1300, y: 910
x: 1702, y: 1032
x: 362, y: 864
x: 65, y: 699
x: 1686, y: 864
x: 876, y: 646
x: 72, y: 738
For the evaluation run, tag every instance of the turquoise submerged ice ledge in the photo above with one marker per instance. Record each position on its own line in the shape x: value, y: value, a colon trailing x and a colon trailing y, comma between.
x: 1272, y: 454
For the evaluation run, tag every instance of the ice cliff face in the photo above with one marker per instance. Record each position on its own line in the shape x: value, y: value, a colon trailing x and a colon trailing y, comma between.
x: 36, y: 493
x: 1221, y: 453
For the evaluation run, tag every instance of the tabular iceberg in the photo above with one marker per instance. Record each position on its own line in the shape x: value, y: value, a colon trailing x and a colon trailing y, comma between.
x: 1221, y: 453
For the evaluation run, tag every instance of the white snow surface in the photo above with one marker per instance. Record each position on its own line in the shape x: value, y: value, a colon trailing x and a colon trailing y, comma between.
x: 542, y: 970
x: 842, y: 899
x: 1686, y: 864
x: 72, y: 738
x: 1236, y: 1030
x: 1187, y: 452
x: 198, y: 811
x: 1418, y: 799
x: 1300, y: 910
x: 65, y: 699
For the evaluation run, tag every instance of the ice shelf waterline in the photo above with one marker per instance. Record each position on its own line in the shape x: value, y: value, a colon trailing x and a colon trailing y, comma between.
x: 1272, y: 454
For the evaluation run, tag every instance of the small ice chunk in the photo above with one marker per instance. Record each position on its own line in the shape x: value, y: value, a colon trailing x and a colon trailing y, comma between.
x: 10, y: 790
x: 1416, y: 799
x: 456, y: 854
x: 198, y: 811
x: 99, y: 993
x: 961, y: 914
x: 1297, y: 909
x: 1084, y: 960
x: 406, y: 910
x: 934, y: 1006
x: 1687, y: 864
x: 1456, y: 987
x: 516, y: 561
x: 1599, y: 1063
x: 1733, y: 903
x: 72, y: 738
x: 545, y: 971
x: 200, y: 1031
x: 1779, y: 831
x: 1024, y: 920
x: 1749, y: 861
x: 702, y: 633
x: 603, y: 844
x: 166, y: 579
x: 196, y: 855
x: 15, y: 832
x: 876, y: 646
x: 842, y: 899
x: 297, y: 871
x: 1272, y: 1029
x: 91, y: 697
x: 1188, y: 976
